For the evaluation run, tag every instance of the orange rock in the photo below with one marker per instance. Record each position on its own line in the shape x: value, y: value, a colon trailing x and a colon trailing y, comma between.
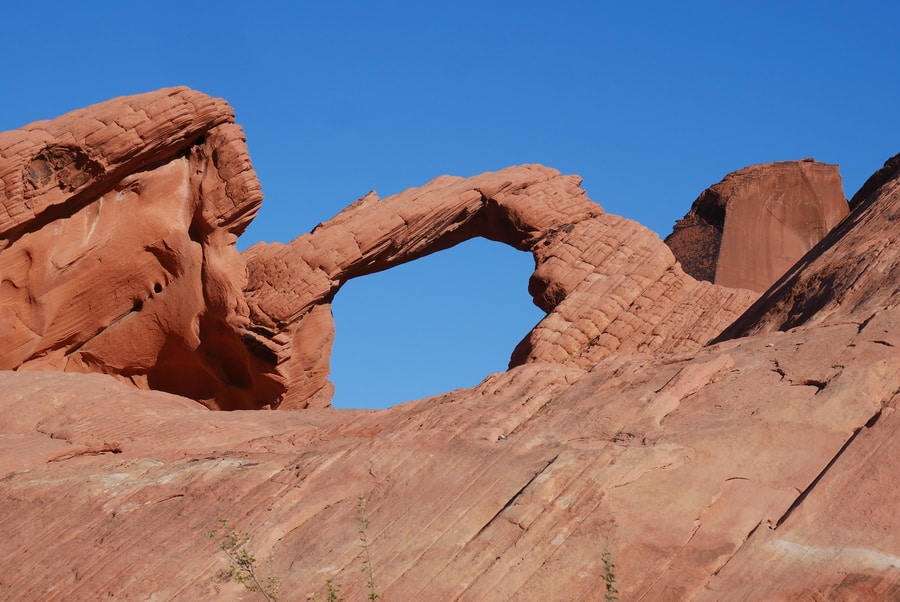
x: 853, y: 271
x: 117, y: 246
x: 753, y: 469
x: 748, y: 229
x: 760, y: 467
x: 144, y: 197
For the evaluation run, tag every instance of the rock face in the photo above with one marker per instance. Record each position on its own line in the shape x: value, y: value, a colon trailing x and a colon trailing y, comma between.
x: 828, y: 280
x: 761, y: 466
x: 758, y: 468
x: 117, y: 253
x: 748, y: 229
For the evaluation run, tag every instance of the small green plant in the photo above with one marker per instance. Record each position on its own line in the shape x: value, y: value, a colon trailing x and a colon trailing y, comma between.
x: 244, y: 568
x: 609, y: 575
x: 332, y: 593
x: 364, y: 543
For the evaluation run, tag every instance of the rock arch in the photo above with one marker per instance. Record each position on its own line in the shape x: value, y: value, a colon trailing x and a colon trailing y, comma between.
x: 606, y: 283
x: 430, y: 326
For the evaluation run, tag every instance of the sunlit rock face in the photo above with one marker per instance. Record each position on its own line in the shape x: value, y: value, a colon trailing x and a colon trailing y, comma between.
x: 143, y: 197
x: 762, y: 467
x: 117, y: 246
x: 747, y: 230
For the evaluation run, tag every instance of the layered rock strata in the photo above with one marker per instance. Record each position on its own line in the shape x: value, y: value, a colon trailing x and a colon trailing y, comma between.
x: 117, y: 246
x: 748, y: 229
x: 608, y: 284
x: 759, y: 468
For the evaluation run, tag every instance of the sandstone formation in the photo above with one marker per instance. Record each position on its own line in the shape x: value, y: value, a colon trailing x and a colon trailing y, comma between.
x: 608, y: 284
x: 748, y: 229
x: 854, y: 271
x: 144, y: 196
x: 117, y: 253
x: 761, y: 466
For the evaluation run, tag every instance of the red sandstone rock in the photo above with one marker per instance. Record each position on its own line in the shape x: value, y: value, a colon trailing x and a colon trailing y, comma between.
x: 757, y: 469
x: 168, y: 173
x: 748, y: 229
x: 762, y: 467
x: 117, y: 254
x: 853, y: 271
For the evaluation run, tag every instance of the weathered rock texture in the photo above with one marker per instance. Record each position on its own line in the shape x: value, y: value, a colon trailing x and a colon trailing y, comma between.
x: 854, y: 271
x: 117, y: 232
x: 760, y: 467
x: 608, y: 284
x: 748, y: 229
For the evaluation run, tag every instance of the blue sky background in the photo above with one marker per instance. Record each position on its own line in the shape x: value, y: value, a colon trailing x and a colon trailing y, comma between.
x: 650, y: 102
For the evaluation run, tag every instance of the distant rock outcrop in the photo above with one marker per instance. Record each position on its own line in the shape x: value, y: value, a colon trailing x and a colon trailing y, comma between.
x: 748, y: 229
x: 854, y: 271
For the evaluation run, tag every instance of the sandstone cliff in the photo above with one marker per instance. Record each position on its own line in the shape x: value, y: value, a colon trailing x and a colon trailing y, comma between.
x: 759, y: 467
x: 748, y: 229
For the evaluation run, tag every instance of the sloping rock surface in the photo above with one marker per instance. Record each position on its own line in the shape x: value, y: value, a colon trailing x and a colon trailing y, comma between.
x: 756, y: 469
x: 748, y: 229
x: 760, y: 467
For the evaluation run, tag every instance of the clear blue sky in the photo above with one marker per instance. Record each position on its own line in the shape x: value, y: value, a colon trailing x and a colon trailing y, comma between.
x: 650, y: 102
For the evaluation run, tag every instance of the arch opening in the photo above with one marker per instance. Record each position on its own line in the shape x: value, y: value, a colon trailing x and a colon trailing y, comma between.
x: 439, y: 323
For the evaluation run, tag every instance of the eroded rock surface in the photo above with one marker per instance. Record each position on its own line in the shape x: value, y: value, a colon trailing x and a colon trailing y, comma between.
x: 608, y: 284
x: 117, y: 232
x: 748, y: 229
x: 854, y: 271
x: 761, y: 467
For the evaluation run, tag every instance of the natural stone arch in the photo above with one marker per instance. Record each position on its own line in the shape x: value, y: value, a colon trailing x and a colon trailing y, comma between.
x: 429, y: 326
x: 606, y: 283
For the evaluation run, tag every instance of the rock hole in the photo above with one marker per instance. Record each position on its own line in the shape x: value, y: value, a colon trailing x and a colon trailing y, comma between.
x: 430, y: 326
x: 67, y: 167
x: 157, y: 288
x: 138, y: 305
